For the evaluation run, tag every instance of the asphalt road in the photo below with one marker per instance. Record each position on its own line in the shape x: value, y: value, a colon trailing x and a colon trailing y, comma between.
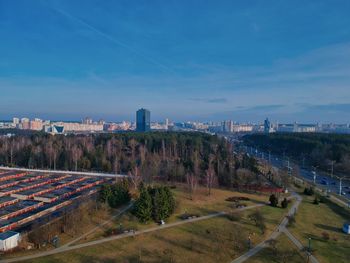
x: 322, y: 180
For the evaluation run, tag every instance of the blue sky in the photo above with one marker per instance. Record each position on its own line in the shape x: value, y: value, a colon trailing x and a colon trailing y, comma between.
x: 184, y: 60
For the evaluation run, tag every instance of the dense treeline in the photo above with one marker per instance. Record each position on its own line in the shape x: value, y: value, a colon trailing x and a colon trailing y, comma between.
x: 317, y: 149
x: 185, y: 157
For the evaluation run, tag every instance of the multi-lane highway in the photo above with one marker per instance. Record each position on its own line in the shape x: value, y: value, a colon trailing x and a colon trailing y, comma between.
x: 321, y: 179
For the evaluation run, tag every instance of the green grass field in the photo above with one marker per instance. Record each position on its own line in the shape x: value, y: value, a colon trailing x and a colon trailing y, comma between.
x: 213, y: 240
x: 282, y: 251
x: 320, y: 221
x: 201, y: 205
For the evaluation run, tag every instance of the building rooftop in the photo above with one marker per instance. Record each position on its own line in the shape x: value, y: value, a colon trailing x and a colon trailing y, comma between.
x: 7, y: 234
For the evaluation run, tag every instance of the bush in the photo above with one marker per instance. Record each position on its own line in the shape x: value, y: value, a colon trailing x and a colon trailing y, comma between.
x: 316, y: 202
x: 273, y: 200
x: 234, y: 216
x: 325, y: 235
x: 323, y: 199
x: 258, y: 219
x: 284, y: 203
x: 309, y: 191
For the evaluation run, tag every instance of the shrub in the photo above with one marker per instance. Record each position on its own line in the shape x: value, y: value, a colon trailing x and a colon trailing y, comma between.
x: 323, y: 199
x: 259, y: 220
x: 325, y: 235
x: 309, y: 191
x: 234, y: 216
x: 316, y: 202
x: 284, y: 203
x: 273, y: 200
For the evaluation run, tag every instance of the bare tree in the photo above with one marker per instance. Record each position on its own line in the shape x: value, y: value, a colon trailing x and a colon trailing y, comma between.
x: 76, y: 155
x: 135, y: 177
x: 132, y: 144
x: 210, y: 174
x: 192, y: 183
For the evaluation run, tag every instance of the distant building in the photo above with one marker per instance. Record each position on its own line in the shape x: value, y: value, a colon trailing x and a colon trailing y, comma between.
x: 87, y: 120
x: 25, y: 124
x: 15, y: 121
x: 227, y: 126
x: 267, y: 126
x: 143, y: 120
x: 36, y: 125
x: 243, y: 128
x: 295, y: 127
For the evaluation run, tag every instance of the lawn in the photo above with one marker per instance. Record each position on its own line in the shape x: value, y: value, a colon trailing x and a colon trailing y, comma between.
x: 322, y: 223
x: 202, y: 204
x: 282, y: 251
x: 214, y: 240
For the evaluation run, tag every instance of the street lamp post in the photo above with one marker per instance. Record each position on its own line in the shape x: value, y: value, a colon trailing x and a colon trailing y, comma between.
x: 314, y: 174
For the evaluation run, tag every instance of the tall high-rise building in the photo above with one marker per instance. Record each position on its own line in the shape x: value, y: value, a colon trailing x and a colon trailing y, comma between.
x: 15, y: 121
x: 227, y: 126
x: 143, y: 120
x: 267, y: 126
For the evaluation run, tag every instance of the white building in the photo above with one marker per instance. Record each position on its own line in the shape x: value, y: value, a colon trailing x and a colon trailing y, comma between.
x: 15, y: 121
x: 9, y: 240
x: 243, y: 128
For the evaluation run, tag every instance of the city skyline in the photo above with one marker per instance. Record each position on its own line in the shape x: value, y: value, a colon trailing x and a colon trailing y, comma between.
x: 63, y: 60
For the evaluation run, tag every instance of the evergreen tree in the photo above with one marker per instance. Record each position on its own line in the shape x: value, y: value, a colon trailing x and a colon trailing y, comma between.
x: 143, y: 206
x: 284, y: 203
x: 273, y: 200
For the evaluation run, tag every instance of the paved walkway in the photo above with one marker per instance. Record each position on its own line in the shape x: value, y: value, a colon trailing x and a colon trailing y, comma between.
x: 300, y: 246
x: 99, y: 226
x: 116, y: 237
x: 280, y: 229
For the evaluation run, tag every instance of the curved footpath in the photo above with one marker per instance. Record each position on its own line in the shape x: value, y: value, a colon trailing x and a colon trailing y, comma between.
x: 281, y: 228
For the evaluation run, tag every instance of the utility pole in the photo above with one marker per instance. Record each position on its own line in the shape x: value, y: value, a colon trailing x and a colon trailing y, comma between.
x: 340, y: 187
x: 314, y: 175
